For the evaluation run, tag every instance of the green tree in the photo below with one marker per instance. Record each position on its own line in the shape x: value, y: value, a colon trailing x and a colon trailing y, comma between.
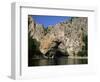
x: 84, y: 51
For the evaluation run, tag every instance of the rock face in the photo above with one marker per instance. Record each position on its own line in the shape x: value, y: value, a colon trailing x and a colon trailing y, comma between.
x: 74, y: 34
x: 67, y: 37
x: 36, y: 30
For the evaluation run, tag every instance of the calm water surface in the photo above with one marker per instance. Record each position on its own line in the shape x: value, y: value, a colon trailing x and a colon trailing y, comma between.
x: 58, y: 61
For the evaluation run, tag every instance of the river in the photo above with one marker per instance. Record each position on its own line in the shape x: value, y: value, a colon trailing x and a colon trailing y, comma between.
x: 59, y: 61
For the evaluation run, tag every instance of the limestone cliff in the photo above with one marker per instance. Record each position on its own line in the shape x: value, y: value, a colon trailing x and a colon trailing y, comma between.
x: 68, y: 37
x: 36, y: 30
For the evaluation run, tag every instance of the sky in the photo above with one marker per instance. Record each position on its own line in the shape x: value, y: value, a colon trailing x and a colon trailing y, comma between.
x: 49, y: 20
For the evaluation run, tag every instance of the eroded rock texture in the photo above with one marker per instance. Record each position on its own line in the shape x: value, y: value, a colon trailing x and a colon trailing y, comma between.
x: 68, y: 37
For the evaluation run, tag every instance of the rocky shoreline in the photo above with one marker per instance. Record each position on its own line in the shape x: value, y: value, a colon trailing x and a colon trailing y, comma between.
x: 68, y: 38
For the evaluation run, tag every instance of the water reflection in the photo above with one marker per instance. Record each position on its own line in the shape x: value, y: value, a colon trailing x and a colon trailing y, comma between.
x: 58, y: 61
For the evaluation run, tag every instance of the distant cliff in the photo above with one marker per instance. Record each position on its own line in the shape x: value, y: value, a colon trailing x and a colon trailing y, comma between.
x: 69, y: 37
